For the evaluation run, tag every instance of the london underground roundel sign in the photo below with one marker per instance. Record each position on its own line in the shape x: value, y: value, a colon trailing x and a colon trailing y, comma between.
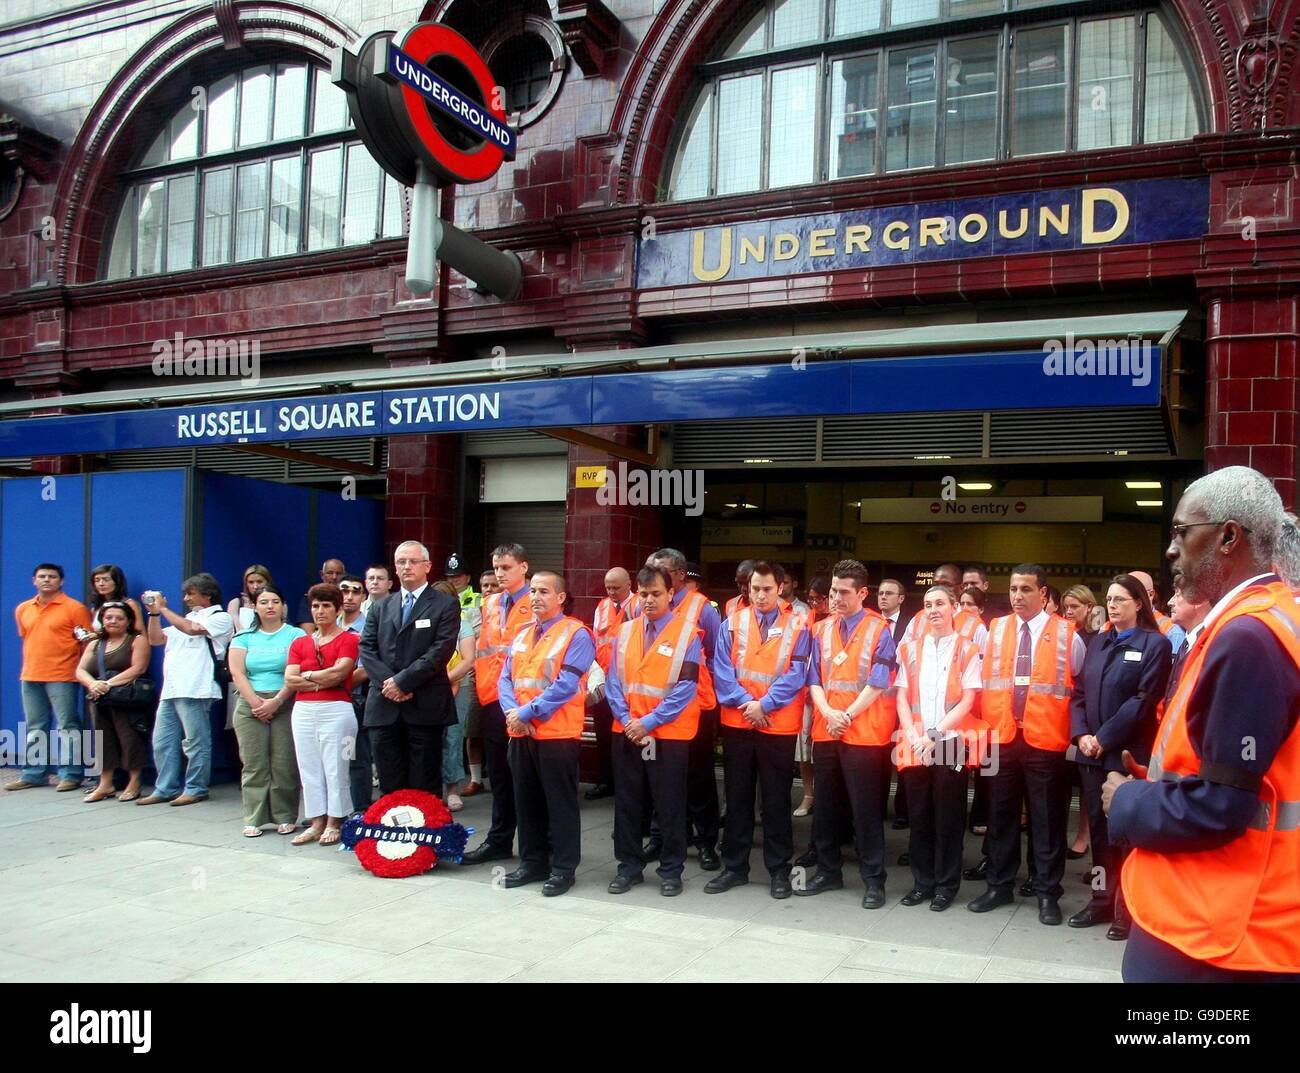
x: 429, y: 100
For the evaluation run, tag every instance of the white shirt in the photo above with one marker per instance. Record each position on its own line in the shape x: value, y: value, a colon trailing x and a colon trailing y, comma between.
x: 417, y: 593
x: 932, y: 693
x: 1037, y: 625
x: 1226, y: 599
x: 187, y: 663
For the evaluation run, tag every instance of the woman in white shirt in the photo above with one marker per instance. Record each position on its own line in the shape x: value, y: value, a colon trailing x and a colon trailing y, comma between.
x: 243, y: 607
x: 938, y: 740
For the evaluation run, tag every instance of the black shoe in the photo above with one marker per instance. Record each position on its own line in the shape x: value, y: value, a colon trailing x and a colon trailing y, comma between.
x: 1118, y: 930
x: 822, y: 881
x: 556, y: 884
x: 1091, y: 914
x: 781, y: 888
x: 1049, y: 910
x: 521, y: 876
x: 808, y: 859
x: 916, y: 896
x: 875, y: 896
x: 904, y: 860
x: 621, y: 884
x: 652, y: 850
x: 601, y: 789
x: 487, y: 852
x: 725, y: 881
x: 899, y: 824
x: 709, y: 859
x: 941, y: 901
x: 991, y: 899
x: 1026, y: 888
x: 1077, y: 854
x: 979, y: 871
x: 670, y: 888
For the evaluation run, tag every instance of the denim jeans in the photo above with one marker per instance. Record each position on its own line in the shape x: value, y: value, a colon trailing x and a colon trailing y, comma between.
x: 40, y: 701
x: 183, y: 724
x: 453, y: 738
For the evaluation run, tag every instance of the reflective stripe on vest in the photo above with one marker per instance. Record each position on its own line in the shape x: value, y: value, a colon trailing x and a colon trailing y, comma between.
x: 674, y: 669
x: 829, y: 634
x: 1057, y: 688
x: 740, y: 623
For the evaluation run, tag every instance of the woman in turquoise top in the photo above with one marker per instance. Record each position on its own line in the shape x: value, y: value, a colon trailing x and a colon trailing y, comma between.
x: 258, y: 656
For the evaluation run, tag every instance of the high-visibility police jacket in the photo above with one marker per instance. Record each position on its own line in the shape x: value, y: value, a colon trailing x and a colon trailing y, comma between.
x: 911, y: 654
x: 1047, y: 706
x: 494, y: 639
x: 758, y: 663
x: 535, y: 663
x: 646, y: 678
x: 1238, y: 906
x: 605, y: 625
x: 845, y: 671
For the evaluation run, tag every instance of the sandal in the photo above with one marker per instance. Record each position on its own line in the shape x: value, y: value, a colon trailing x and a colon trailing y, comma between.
x: 286, y: 829
x: 309, y: 835
x: 129, y: 795
x: 252, y: 832
x: 332, y: 836
x: 805, y: 807
x: 98, y: 795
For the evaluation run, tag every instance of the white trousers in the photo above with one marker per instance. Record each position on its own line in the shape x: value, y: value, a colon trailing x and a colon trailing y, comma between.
x: 324, y: 738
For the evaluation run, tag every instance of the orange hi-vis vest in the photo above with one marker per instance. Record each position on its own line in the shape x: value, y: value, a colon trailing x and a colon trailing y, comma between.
x: 692, y: 607
x: 535, y: 663
x: 911, y: 654
x: 1238, y: 906
x: 1164, y: 622
x: 494, y: 642
x: 604, y: 627
x: 758, y: 664
x: 963, y: 621
x: 1047, y: 707
x: 648, y: 677
x: 735, y: 602
x: 845, y: 671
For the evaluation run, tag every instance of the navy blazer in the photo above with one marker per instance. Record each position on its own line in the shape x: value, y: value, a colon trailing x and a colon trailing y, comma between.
x: 415, y: 656
x: 1115, y: 698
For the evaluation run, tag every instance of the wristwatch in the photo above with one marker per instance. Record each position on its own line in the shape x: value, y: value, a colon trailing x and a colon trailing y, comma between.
x: 306, y: 675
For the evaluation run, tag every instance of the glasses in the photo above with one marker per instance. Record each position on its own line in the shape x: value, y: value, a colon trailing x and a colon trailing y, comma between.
x: 1120, y: 600
x: 409, y: 562
x: 351, y: 588
x: 1178, y: 531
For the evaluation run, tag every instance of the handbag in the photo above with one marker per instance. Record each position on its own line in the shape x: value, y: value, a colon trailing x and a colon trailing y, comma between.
x: 220, y: 669
x: 138, y: 698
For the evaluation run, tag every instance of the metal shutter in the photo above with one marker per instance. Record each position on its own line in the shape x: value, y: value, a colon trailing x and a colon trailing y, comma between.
x: 1031, y: 433
x: 539, y: 527
x: 902, y: 436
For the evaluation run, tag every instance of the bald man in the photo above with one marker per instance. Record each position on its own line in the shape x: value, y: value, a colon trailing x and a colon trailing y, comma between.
x: 619, y: 605
x: 1166, y: 624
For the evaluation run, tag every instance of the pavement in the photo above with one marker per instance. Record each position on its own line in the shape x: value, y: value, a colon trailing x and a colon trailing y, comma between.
x: 110, y: 892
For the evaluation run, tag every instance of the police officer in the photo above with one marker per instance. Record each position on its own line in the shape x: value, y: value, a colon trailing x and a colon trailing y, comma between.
x: 457, y: 573
x: 542, y: 694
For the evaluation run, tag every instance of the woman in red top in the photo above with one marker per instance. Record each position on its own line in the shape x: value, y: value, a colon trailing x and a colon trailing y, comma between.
x: 324, y: 723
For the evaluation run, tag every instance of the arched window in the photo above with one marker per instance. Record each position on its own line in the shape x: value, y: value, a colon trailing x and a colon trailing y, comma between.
x: 813, y: 90
x: 260, y: 163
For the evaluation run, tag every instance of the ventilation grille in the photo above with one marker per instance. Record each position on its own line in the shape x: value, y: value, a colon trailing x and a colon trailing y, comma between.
x: 872, y: 436
x: 539, y: 527
x: 512, y: 442
x: 264, y: 467
x: 1079, y: 432
x: 731, y: 442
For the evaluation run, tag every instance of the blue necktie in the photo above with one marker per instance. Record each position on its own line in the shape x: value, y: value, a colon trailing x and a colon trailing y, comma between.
x: 408, y: 602
x: 1024, y: 668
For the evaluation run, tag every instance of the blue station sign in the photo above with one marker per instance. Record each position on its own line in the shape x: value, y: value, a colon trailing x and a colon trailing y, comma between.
x: 1123, y: 373
x: 1089, y: 217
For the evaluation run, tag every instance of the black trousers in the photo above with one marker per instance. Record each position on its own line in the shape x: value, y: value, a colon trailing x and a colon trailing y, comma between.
x: 900, y: 798
x: 360, y: 773
x: 602, y: 719
x: 408, y: 757
x: 545, y: 776
x: 979, y: 808
x: 1107, y: 858
x: 650, y: 775
x: 936, y: 796
x: 1043, y: 779
x: 859, y: 774
x: 750, y: 760
x: 702, y: 811
x: 496, y: 757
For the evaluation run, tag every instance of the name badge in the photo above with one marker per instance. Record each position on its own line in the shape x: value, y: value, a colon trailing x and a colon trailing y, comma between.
x: 1130, y: 656
x: 665, y: 650
x: 1022, y: 679
x: 519, y: 646
x: 423, y: 623
x: 775, y: 631
x: 843, y: 655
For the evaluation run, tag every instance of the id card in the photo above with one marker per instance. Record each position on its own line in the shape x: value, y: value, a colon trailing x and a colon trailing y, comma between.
x: 1132, y: 656
x: 1022, y: 679
x: 665, y: 650
x: 840, y: 657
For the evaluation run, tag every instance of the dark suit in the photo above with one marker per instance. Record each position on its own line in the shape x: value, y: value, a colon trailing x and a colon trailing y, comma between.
x: 1115, y: 698
x: 406, y: 738
x: 897, y: 628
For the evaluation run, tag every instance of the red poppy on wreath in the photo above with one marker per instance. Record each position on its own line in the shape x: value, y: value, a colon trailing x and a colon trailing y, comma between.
x: 404, y: 833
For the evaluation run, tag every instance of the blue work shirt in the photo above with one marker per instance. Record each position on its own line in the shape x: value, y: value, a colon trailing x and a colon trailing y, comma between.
x: 672, y: 705
x: 577, y: 661
x: 1248, y: 689
x: 783, y: 690
x: 710, y: 623
x: 883, y: 660
x: 1176, y: 636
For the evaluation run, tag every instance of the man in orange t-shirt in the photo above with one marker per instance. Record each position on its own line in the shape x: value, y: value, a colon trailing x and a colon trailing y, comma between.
x: 52, y: 626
